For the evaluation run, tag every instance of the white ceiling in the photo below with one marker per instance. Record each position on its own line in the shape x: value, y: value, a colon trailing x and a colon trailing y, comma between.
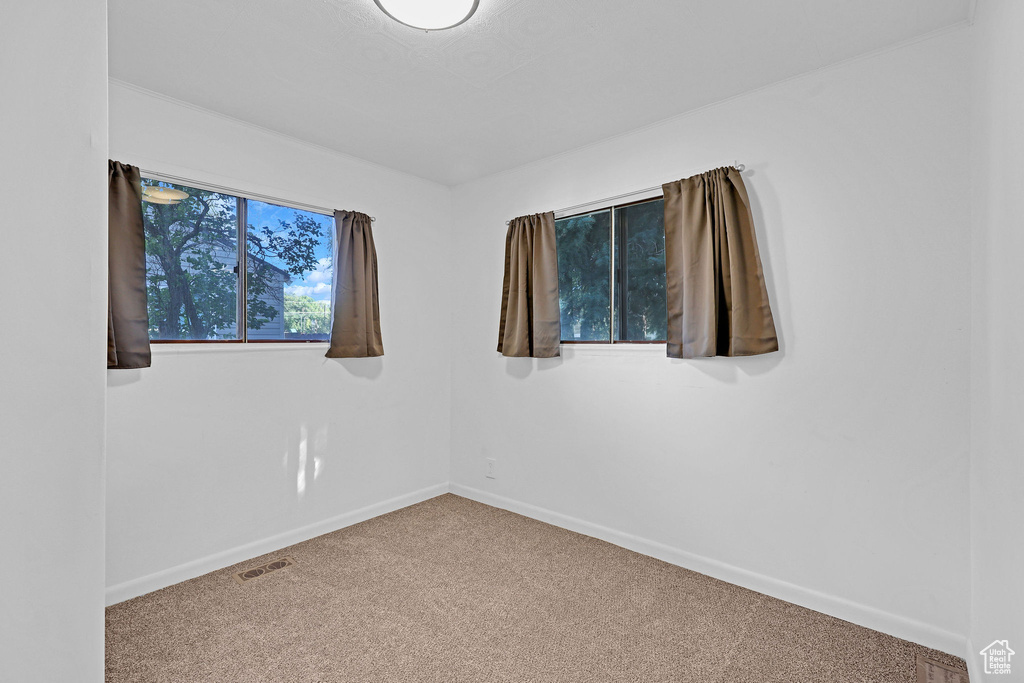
x: 522, y: 80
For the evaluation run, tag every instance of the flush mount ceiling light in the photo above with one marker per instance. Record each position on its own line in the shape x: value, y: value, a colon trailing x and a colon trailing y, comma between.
x: 162, y: 195
x: 429, y: 15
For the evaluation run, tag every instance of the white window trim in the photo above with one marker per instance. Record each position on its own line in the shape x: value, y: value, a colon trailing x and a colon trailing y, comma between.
x: 609, y: 349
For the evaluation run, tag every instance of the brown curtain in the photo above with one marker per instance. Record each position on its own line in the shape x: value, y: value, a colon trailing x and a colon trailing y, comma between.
x: 530, y: 323
x: 355, y: 328
x: 717, y: 301
x: 127, y: 313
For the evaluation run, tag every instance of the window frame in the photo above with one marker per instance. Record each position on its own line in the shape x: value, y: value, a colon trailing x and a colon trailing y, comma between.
x: 243, y: 198
x: 614, y: 237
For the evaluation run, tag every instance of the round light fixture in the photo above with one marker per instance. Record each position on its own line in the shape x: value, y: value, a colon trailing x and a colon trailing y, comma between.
x: 429, y: 15
x: 159, y: 200
x: 162, y: 195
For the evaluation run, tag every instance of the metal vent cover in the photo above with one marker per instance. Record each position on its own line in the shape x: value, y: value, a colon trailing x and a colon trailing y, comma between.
x: 256, y: 572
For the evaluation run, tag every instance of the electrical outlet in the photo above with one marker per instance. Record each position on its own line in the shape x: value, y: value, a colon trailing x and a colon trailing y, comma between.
x: 489, y: 469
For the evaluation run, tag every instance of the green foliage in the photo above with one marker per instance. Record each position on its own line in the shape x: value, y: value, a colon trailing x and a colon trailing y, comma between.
x: 305, y: 315
x: 585, y: 253
x: 191, y: 254
x: 584, y: 257
x: 293, y: 243
x: 191, y: 289
x: 643, y: 228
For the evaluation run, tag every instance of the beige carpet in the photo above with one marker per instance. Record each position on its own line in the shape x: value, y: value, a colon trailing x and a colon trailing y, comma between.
x: 452, y: 590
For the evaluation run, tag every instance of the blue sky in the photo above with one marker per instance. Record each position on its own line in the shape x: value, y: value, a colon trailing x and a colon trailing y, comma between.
x: 317, y: 283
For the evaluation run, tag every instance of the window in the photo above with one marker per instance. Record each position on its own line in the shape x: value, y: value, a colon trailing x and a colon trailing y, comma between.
x: 197, y: 245
x: 611, y: 274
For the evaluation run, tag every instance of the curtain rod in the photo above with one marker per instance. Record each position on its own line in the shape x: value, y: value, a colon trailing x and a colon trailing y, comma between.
x: 166, y: 177
x: 737, y: 165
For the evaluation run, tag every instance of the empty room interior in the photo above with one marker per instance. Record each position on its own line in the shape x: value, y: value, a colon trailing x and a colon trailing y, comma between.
x: 685, y: 341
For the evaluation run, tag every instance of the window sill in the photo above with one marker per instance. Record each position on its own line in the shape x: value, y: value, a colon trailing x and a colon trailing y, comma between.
x: 185, y: 348
x: 622, y: 349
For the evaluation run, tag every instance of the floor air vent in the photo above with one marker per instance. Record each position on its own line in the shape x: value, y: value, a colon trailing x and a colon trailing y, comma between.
x: 930, y: 671
x: 255, y: 572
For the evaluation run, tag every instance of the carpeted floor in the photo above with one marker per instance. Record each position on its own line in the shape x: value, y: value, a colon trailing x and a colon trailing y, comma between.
x: 451, y: 590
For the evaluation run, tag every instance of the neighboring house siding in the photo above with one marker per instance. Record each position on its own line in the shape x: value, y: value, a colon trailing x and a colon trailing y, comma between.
x: 273, y: 329
x: 274, y: 296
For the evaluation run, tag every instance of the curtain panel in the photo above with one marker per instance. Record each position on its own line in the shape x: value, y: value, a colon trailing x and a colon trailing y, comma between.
x: 716, y: 295
x: 355, y: 324
x: 127, y: 311
x: 530, y: 322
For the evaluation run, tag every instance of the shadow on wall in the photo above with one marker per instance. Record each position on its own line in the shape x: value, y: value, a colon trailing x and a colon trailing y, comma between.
x: 521, y: 368
x: 727, y: 369
x: 367, y: 368
x: 774, y: 273
x: 122, y: 378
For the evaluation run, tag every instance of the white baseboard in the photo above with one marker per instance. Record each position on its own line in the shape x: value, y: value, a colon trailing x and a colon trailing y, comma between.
x: 863, y: 615
x: 204, y: 565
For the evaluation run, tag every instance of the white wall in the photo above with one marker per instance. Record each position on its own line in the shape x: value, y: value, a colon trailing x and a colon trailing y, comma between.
x: 846, y: 489
x: 53, y: 143
x: 997, y: 372
x: 834, y: 473
x: 848, y: 478
x: 218, y: 454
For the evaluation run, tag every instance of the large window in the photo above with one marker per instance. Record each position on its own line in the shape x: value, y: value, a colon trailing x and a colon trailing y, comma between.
x: 198, y: 242
x: 611, y: 274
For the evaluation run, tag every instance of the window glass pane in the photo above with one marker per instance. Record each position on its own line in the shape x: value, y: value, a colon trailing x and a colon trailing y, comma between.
x: 191, y: 257
x: 584, y: 276
x: 290, y: 271
x: 640, y: 283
